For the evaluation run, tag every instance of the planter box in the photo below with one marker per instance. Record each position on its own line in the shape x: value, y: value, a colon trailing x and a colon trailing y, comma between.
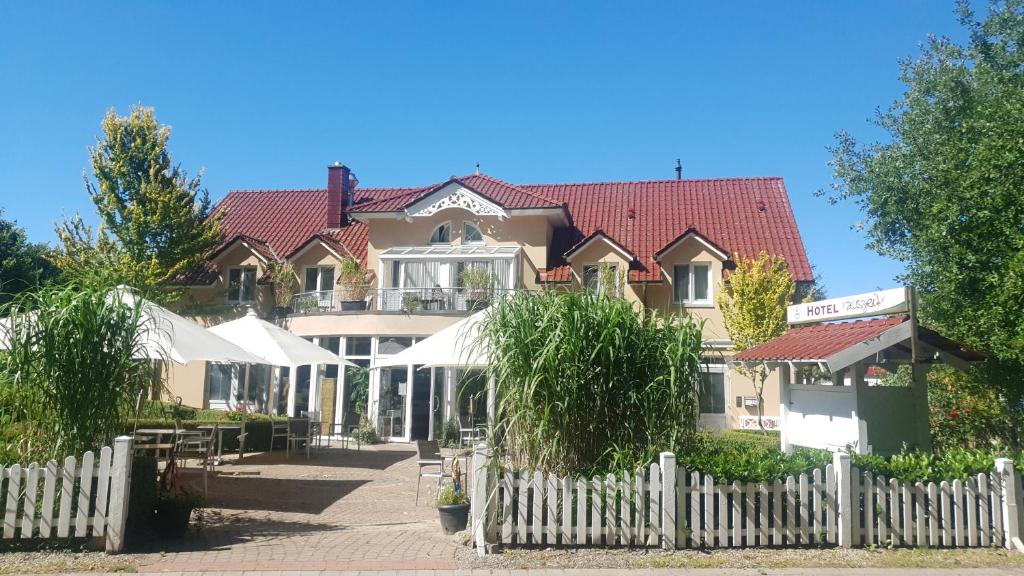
x: 348, y: 305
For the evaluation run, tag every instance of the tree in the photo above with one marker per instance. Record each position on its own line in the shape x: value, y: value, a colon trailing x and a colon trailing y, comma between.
x: 753, y: 306
x: 155, y: 220
x: 943, y: 193
x: 23, y: 265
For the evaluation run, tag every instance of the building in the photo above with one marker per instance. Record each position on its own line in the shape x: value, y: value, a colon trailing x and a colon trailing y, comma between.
x: 666, y: 244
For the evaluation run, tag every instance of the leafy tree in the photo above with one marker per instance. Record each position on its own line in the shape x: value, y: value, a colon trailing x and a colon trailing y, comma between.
x: 943, y: 193
x: 753, y: 306
x: 23, y: 265
x: 155, y: 220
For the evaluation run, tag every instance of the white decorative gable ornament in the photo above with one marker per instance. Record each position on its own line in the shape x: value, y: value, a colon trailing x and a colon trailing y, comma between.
x: 455, y: 196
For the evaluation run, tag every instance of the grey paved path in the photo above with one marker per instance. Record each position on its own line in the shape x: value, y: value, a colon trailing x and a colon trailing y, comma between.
x: 339, y: 510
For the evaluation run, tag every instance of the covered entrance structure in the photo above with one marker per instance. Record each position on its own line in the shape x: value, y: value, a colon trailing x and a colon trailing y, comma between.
x: 831, y: 396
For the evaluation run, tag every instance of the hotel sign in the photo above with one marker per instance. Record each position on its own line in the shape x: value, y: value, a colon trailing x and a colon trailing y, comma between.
x: 877, y: 303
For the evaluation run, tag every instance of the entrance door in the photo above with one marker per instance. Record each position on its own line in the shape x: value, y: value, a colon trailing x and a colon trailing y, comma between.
x: 712, y: 399
x: 420, y: 403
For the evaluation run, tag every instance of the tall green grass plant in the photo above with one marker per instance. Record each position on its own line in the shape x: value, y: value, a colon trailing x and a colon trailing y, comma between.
x: 587, y: 382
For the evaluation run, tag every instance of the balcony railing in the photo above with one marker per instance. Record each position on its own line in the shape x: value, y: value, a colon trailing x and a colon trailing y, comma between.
x: 400, y: 300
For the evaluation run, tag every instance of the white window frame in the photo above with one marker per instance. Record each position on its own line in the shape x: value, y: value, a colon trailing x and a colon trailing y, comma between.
x: 319, y: 278
x: 689, y: 300
x: 431, y: 240
x: 241, y: 291
x: 467, y: 224
x: 617, y: 289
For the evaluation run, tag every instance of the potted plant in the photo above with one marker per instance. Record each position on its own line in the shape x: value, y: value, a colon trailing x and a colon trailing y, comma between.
x: 353, y: 285
x: 476, y: 284
x: 285, y: 284
x: 452, y: 508
x: 174, y: 503
x: 411, y: 303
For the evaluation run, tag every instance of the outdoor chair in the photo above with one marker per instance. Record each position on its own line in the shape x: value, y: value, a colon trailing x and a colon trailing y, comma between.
x: 431, y: 464
x: 198, y: 444
x: 299, y: 434
x: 469, y: 431
x: 278, y: 430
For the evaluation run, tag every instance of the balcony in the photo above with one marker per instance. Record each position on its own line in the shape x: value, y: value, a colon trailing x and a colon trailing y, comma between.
x: 408, y: 300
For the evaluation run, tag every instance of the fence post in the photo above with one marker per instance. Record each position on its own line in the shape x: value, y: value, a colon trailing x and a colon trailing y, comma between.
x: 667, y: 463
x: 117, y: 503
x: 1011, y: 522
x: 479, y: 501
x: 844, y: 499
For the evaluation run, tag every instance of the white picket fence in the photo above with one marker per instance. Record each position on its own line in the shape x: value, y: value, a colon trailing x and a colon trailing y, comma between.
x: 86, y: 498
x: 666, y: 506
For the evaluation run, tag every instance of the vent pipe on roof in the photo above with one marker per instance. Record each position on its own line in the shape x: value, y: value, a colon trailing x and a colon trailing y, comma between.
x: 679, y: 169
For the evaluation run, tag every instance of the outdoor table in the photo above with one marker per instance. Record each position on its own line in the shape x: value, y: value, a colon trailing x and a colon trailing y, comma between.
x: 159, y: 433
x: 220, y: 439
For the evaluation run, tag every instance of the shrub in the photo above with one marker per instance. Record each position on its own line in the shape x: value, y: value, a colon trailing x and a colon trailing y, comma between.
x: 918, y: 466
x: 586, y: 382
x: 449, y: 434
x: 366, y: 433
x: 732, y: 457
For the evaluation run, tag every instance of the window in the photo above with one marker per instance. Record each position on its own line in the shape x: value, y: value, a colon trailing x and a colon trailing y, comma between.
x: 471, y: 234
x: 601, y: 278
x: 442, y: 234
x: 691, y: 284
x: 357, y: 346
x: 393, y: 345
x: 711, y: 396
x: 219, y: 382
x: 242, y: 285
x: 319, y: 279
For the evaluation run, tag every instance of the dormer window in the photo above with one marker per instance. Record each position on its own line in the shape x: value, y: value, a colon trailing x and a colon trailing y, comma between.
x: 471, y: 234
x: 691, y: 284
x: 442, y: 234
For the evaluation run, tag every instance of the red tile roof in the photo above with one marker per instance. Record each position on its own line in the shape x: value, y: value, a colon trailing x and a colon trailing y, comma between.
x: 744, y: 215
x: 818, y: 341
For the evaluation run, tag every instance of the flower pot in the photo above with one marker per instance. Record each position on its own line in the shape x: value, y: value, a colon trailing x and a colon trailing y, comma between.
x: 170, y: 518
x: 453, y: 517
x: 353, y: 305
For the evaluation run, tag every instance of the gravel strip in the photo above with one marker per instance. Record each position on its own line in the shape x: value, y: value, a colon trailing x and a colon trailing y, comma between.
x: 741, y: 558
x: 59, y: 561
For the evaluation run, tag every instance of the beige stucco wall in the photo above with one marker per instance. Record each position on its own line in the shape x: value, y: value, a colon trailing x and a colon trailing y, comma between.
x: 741, y: 385
x: 370, y: 324
x: 659, y: 296
x: 189, y: 382
x: 208, y: 304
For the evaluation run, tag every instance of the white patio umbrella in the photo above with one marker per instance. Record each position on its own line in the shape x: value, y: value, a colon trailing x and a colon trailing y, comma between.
x: 166, y: 335
x: 273, y: 344
x: 455, y: 346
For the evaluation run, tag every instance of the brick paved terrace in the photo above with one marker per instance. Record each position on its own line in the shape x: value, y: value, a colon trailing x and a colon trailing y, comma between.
x: 342, y: 509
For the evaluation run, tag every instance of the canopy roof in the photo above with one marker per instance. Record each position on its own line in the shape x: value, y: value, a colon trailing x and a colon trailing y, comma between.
x: 839, y: 345
x: 274, y: 345
x: 454, y: 346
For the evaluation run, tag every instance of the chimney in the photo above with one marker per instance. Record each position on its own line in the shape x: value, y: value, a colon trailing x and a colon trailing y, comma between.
x: 679, y: 169
x: 339, y: 193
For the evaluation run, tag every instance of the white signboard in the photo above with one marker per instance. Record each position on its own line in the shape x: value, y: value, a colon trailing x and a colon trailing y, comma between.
x: 892, y: 301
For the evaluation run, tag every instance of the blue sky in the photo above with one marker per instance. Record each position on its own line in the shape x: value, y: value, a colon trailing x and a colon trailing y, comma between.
x: 265, y: 95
